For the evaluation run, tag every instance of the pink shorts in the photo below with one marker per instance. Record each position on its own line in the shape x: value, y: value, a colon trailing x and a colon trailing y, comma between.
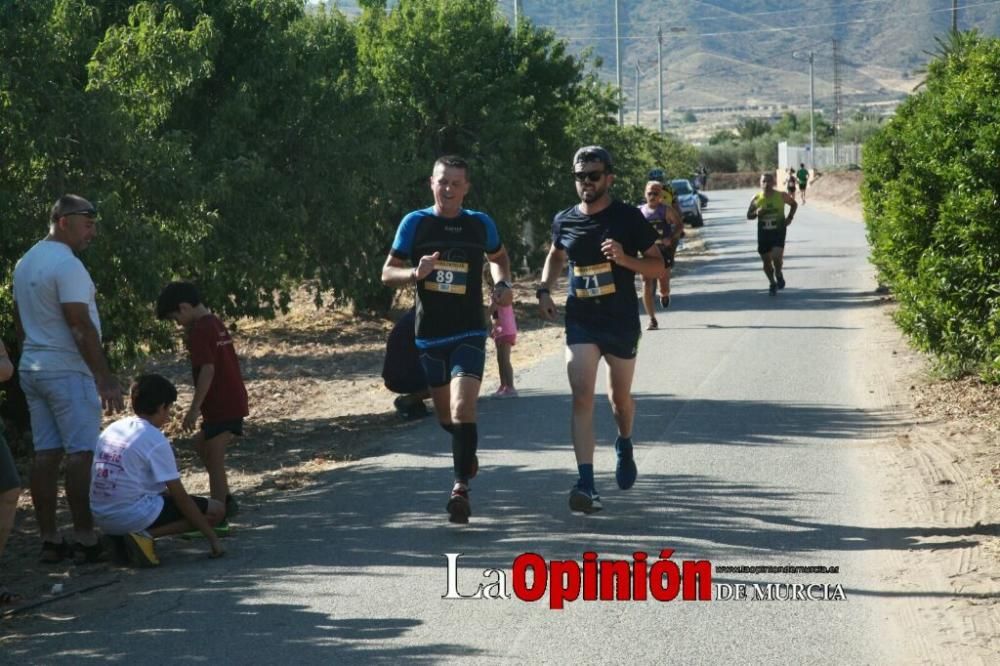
x: 504, y: 326
x: 505, y: 339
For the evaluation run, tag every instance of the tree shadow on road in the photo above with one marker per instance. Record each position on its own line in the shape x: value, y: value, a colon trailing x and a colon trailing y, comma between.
x: 384, y: 518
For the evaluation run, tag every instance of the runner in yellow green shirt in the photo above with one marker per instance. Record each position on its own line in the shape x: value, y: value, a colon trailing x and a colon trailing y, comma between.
x: 768, y: 208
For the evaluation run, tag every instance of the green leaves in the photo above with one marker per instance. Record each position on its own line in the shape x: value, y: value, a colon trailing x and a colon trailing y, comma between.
x: 252, y: 147
x: 930, y: 196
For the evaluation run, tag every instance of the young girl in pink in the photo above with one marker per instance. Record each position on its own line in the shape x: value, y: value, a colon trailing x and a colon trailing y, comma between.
x: 504, y: 336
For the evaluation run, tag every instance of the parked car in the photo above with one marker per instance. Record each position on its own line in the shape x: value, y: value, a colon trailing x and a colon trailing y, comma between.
x: 687, y: 199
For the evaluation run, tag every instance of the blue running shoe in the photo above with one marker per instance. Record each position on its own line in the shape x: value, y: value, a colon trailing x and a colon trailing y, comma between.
x: 585, y: 501
x: 625, y: 470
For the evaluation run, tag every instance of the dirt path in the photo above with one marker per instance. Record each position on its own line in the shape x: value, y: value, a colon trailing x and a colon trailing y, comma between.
x: 943, y: 474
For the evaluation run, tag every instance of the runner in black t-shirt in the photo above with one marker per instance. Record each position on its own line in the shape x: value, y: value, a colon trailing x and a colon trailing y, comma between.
x: 601, y: 239
x: 441, y: 250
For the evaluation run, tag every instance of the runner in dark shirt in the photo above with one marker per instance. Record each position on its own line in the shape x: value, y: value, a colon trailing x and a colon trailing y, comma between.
x: 601, y: 240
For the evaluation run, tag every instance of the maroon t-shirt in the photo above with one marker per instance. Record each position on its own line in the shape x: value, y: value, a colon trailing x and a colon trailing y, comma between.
x: 210, y: 343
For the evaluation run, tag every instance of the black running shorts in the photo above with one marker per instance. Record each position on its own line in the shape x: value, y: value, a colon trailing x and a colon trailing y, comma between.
x: 463, y: 358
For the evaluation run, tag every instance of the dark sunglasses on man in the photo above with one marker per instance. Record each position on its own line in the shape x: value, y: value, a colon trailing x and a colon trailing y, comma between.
x: 592, y: 176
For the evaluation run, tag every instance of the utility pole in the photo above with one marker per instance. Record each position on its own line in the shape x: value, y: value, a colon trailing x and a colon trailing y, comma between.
x: 837, y: 101
x: 517, y: 16
x: 618, y: 67
x: 659, y: 75
x: 638, y: 73
x: 812, y: 117
x: 954, y: 15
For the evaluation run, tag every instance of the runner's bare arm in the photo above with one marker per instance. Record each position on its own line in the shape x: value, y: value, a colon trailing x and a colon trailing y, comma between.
x: 650, y: 265
x: 790, y: 200
x: 677, y: 224
x: 555, y: 260
x: 395, y: 272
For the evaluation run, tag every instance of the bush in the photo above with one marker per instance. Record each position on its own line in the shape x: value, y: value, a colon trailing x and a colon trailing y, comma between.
x: 930, y: 194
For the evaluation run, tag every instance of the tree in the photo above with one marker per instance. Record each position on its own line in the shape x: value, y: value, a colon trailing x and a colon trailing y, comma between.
x: 930, y: 193
x: 751, y: 128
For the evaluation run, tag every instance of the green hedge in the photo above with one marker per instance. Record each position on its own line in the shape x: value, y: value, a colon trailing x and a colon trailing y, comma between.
x: 931, y: 197
x: 255, y: 146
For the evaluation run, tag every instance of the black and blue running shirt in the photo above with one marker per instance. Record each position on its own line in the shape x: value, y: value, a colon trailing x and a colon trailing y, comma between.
x: 602, y: 293
x: 450, y: 299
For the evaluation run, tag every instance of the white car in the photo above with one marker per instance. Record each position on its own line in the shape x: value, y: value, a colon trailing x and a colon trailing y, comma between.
x: 688, y: 201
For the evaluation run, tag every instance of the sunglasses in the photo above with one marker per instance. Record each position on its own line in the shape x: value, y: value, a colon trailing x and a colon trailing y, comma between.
x: 592, y: 176
x: 86, y: 212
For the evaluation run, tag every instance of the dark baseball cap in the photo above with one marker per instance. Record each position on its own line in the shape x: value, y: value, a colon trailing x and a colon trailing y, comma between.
x: 593, y: 154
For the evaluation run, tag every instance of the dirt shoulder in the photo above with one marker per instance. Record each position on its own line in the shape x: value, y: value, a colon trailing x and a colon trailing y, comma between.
x: 942, y: 472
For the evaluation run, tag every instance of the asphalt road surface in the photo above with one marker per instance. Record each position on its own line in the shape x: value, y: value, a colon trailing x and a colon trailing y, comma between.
x: 753, y: 414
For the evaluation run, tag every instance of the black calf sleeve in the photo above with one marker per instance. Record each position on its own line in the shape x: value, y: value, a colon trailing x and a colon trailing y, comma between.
x: 464, y: 443
x: 447, y: 427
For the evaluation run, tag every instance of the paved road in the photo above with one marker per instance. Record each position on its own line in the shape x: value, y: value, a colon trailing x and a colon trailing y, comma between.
x: 752, y: 416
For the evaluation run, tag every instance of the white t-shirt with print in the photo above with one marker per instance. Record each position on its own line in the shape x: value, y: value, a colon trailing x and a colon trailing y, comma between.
x: 132, y: 464
x: 48, y: 275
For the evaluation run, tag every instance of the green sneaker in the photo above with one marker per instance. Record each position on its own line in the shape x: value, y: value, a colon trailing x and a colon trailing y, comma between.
x: 222, y: 530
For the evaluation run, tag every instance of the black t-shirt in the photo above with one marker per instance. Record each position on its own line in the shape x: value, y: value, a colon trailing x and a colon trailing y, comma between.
x: 450, y: 299
x: 602, y: 293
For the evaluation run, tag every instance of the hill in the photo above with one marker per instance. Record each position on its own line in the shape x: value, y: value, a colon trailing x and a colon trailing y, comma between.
x: 725, y: 58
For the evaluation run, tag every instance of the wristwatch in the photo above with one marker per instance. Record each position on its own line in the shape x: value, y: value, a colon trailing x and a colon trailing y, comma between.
x: 540, y: 291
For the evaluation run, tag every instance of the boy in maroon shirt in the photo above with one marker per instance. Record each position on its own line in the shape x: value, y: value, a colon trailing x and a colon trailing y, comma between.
x: 219, y: 393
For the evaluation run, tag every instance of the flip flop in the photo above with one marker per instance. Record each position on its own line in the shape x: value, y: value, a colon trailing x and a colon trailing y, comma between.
x: 54, y: 553
x: 88, y: 554
x: 8, y: 598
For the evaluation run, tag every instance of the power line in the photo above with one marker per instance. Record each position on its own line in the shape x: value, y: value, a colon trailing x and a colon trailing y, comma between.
x: 793, y: 29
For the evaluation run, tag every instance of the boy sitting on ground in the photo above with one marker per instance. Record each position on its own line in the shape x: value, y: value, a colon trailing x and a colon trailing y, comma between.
x: 219, y: 394
x: 133, y: 466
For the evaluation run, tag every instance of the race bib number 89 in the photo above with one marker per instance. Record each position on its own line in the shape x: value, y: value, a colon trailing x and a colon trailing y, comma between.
x: 449, y: 277
x: 593, y: 281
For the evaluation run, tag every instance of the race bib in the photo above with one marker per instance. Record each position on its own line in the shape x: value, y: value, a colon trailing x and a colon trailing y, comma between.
x: 769, y: 221
x: 593, y: 281
x: 449, y: 277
